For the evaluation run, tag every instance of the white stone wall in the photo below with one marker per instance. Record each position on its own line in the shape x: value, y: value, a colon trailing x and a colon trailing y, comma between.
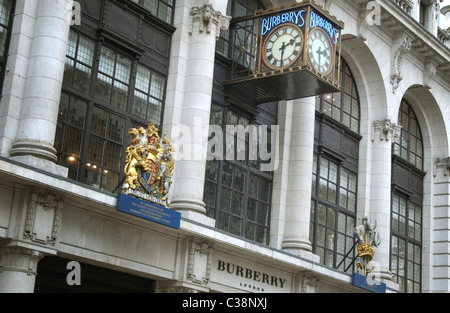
x: 83, y: 223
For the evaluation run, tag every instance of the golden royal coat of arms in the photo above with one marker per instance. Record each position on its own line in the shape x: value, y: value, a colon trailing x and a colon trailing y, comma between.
x: 149, y: 165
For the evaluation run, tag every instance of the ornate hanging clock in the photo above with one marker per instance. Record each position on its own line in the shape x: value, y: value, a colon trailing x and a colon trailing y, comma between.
x: 283, y: 46
x: 296, y: 55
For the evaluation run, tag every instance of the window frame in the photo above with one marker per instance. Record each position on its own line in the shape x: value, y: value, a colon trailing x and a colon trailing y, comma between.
x: 89, y: 96
x: 214, y: 209
x: 331, y: 149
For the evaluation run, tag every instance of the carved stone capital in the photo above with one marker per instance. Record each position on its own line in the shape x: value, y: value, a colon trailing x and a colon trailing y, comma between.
x: 206, y: 17
x: 443, y: 163
x: 386, y: 130
x: 18, y: 259
x: 43, y: 218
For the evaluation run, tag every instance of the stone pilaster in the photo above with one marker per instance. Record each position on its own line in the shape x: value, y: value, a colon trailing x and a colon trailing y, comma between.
x: 42, y: 90
x: 18, y: 269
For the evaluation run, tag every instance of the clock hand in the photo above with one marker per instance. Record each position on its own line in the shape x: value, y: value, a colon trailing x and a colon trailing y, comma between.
x: 283, y: 47
x: 320, y: 52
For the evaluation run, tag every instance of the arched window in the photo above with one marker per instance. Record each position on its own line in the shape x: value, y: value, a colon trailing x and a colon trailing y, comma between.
x: 406, y: 203
x: 335, y: 174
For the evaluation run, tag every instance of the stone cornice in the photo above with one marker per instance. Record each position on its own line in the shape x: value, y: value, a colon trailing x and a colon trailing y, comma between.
x: 424, y: 39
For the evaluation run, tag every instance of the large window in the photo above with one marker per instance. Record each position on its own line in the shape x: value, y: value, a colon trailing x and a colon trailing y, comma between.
x: 102, y: 98
x: 335, y: 174
x: 406, y: 203
x: 163, y: 9
x: 237, y: 194
x: 238, y: 189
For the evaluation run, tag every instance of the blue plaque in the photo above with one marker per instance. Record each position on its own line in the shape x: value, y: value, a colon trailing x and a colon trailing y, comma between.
x: 148, y: 210
x: 374, y: 286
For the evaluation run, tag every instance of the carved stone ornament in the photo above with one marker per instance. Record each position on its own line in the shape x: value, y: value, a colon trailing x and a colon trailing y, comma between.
x: 400, y: 49
x: 199, y: 262
x: 207, y: 17
x: 443, y: 163
x: 43, y: 218
x: 149, y: 165
x: 307, y: 282
x: 18, y: 259
x: 386, y: 130
x: 429, y: 73
x: 367, y: 239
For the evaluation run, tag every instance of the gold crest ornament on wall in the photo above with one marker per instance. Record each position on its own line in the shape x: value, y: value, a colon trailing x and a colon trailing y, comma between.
x: 367, y: 239
x: 149, y: 165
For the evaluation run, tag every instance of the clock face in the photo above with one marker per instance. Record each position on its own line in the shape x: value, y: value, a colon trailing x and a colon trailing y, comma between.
x: 320, y: 51
x: 283, y: 46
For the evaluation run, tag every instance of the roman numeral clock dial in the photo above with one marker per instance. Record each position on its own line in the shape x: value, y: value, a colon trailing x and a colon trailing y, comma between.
x: 320, y: 51
x: 283, y: 46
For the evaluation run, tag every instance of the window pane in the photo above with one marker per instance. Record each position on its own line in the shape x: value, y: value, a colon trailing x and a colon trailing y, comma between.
x: 95, y: 150
x: 225, y: 199
x: 227, y: 175
x: 107, y: 61
x: 73, y: 141
x: 99, y: 120
x: 77, y: 113
x: 103, y: 88
x: 113, y: 155
x: 119, y: 95
x: 210, y: 195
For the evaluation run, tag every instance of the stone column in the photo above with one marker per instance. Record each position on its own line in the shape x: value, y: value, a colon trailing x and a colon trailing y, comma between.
x: 18, y: 269
x: 383, y: 134
x: 190, y: 91
x: 42, y: 90
x: 298, y: 202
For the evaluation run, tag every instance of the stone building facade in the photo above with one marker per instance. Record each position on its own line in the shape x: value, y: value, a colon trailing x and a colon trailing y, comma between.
x: 76, y: 75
